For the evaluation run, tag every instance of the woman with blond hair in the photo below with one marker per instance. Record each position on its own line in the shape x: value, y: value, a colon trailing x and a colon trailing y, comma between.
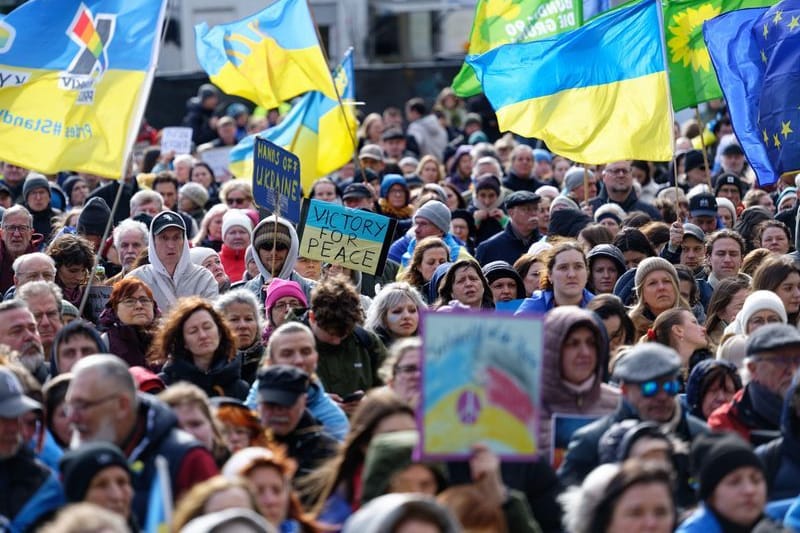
x: 657, y: 289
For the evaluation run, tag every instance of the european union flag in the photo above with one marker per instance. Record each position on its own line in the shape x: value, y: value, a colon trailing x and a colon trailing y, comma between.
x: 756, y: 53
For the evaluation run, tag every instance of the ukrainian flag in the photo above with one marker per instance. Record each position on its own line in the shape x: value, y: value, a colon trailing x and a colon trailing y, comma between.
x: 597, y: 94
x: 74, y: 79
x: 268, y: 58
x: 315, y: 130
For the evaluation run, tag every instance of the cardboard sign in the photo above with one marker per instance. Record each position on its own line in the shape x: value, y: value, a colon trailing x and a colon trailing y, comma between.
x: 352, y: 238
x: 561, y: 430
x: 510, y: 306
x: 481, y: 382
x: 98, y: 296
x: 176, y: 139
x: 276, y: 179
x: 217, y: 159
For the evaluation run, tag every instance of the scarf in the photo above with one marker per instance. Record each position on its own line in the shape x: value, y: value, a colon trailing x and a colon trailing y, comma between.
x: 399, y: 213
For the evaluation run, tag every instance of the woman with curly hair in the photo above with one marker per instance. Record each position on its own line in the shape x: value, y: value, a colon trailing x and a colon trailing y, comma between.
x: 428, y: 254
x: 74, y: 258
x: 130, y: 319
x: 199, y: 347
x: 270, y: 474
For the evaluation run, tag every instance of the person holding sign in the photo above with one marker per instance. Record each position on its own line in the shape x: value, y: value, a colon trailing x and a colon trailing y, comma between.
x: 276, y: 245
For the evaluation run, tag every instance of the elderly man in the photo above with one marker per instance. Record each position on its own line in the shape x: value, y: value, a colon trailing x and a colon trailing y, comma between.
x: 518, y: 235
x: 32, y: 490
x: 773, y: 357
x: 171, y: 274
x: 236, y: 234
x: 618, y: 188
x: 16, y: 234
x: 130, y: 238
x: 648, y: 378
x: 103, y: 406
x: 283, y: 397
x: 520, y: 176
x: 34, y: 266
x: 44, y: 301
x: 18, y: 332
x: 148, y: 202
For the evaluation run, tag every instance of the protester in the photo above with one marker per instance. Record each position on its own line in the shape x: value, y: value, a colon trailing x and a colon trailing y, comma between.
x: 465, y: 286
x: 395, y: 313
x: 564, y: 282
x: 243, y: 313
x: 130, y: 320
x: 429, y: 253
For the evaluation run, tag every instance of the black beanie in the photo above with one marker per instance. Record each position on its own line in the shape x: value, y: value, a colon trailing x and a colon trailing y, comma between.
x: 93, y: 217
x: 716, y: 455
x: 78, y: 467
x: 567, y: 222
x: 501, y: 269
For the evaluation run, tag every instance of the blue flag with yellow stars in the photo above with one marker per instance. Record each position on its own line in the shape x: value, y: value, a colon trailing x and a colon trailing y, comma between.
x: 756, y: 53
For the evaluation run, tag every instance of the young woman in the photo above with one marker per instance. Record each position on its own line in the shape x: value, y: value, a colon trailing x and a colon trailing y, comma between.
x: 239, y: 426
x: 634, y: 246
x: 614, y: 315
x: 199, y: 347
x: 465, y: 283
x: 564, y: 281
x: 429, y: 253
x: 201, y: 173
x: 402, y: 369
x: 713, y: 382
x: 780, y: 274
x: 325, y: 190
x: 678, y: 329
x: 657, y: 290
x: 606, y: 265
x: 726, y: 301
x: 394, y: 313
x: 429, y: 170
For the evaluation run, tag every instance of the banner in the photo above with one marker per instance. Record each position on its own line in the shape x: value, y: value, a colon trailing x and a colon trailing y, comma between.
x: 276, y: 180
x: 352, y: 238
x: 74, y: 78
x: 481, y: 382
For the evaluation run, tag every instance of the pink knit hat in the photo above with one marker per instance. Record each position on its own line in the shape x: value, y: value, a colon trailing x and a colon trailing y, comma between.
x: 278, y: 288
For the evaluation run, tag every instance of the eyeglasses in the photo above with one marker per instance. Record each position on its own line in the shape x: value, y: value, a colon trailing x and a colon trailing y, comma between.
x: 407, y: 369
x: 236, y: 201
x: 83, y: 406
x: 281, y: 247
x: 16, y: 228
x: 618, y: 171
x: 47, y: 276
x: 130, y: 302
x: 651, y: 388
x: 283, y: 306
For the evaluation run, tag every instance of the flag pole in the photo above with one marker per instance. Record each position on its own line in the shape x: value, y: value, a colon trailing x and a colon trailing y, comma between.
x: 703, y: 145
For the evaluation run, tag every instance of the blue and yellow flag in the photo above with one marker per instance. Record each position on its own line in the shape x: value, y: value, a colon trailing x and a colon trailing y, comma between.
x: 315, y: 130
x: 268, y: 58
x: 74, y: 78
x: 595, y: 94
x: 755, y: 53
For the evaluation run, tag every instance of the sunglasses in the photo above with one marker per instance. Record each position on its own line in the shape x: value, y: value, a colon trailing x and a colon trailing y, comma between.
x: 281, y: 247
x: 651, y: 388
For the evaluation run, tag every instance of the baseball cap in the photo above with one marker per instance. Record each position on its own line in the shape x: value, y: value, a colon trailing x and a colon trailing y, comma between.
x: 13, y: 402
x: 166, y: 219
x: 356, y: 190
x: 371, y: 151
x: 703, y: 205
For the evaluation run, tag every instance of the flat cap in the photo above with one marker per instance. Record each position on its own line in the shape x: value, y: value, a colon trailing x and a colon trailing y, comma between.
x: 647, y: 361
x: 521, y: 198
x: 773, y: 337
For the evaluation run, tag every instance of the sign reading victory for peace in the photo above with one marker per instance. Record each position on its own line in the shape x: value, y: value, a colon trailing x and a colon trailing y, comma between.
x: 276, y: 179
x: 481, y: 383
x: 352, y: 238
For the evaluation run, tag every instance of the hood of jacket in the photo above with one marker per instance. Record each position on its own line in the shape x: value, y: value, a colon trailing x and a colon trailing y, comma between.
x: 558, y: 323
x: 221, y: 375
x: 184, y: 263
x: 65, y: 331
x: 291, y: 257
x: 159, y: 420
x: 694, y: 400
x: 387, y: 512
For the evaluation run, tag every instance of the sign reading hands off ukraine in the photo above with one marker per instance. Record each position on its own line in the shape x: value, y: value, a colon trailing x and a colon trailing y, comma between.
x: 74, y: 78
x: 352, y: 238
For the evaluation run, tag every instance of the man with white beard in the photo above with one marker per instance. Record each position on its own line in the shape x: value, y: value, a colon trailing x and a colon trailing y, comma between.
x: 18, y: 331
x: 103, y: 406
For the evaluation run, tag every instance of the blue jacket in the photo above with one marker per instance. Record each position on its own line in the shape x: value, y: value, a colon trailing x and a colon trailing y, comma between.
x: 321, y: 406
x: 543, y: 301
x: 504, y: 246
x: 30, y: 491
x: 700, y: 521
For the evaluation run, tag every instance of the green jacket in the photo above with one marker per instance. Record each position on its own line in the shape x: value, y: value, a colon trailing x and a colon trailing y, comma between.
x: 352, y: 365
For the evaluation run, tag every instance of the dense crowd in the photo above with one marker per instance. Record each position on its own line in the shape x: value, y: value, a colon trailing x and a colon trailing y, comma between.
x: 192, y: 358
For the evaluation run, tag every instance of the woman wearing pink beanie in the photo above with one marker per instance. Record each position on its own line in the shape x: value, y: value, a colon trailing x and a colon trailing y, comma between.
x: 282, y: 296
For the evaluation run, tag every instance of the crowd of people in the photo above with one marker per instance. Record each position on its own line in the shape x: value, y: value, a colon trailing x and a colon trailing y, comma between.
x: 193, y: 358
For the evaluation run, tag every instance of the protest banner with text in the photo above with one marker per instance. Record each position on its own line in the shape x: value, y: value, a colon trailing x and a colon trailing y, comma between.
x: 276, y: 179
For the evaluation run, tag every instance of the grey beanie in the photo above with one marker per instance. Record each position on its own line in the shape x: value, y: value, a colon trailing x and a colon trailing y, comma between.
x: 437, y: 213
x: 34, y: 181
x: 652, y: 264
x: 574, y: 177
x: 195, y: 192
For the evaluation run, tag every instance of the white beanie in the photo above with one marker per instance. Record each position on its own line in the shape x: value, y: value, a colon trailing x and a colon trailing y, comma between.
x: 198, y: 254
x: 236, y: 217
x: 759, y: 301
x: 727, y: 204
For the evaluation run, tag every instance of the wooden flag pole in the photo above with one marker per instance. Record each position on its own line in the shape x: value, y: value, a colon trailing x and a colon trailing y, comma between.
x: 703, y: 146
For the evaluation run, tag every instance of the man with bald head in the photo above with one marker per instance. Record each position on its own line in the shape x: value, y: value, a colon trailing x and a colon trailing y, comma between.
x: 103, y: 405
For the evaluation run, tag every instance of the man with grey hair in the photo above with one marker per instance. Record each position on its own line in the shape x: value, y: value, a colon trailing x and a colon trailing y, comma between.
x: 130, y: 238
x: 148, y: 202
x: 16, y: 239
x: 18, y: 332
x: 43, y: 299
x: 31, y: 267
x: 520, y: 176
x: 103, y: 405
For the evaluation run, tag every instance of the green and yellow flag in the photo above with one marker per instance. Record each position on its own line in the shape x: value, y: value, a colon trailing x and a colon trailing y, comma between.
x: 691, y: 76
x: 499, y: 22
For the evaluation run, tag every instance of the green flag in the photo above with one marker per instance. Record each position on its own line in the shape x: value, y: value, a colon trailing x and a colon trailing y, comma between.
x: 691, y: 76
x: 498, y: 22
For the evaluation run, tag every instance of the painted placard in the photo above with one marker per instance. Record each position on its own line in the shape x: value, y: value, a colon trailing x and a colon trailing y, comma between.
x: 481, y: 383
x: 276, y: 179
x: 563, y: 426
x: 176, y: 139
x: 352, y: 238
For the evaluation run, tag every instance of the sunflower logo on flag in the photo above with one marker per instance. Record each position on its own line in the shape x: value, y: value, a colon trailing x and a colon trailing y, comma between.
x: 685, y: 40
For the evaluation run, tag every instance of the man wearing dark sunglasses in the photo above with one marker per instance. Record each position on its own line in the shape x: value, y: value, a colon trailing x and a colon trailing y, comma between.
x: 648, y: 378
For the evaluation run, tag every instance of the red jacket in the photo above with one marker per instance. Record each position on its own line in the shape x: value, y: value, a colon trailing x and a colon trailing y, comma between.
x: 232, y: 262
x: 726, y: 418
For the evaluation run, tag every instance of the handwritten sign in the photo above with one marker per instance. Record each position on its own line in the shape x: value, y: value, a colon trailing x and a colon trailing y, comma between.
x: 481, y: 382
x: 217, y: 159
x: 561, y: 430
x: 176, y: 139
x: 352, y: 238
x: 276, y: 179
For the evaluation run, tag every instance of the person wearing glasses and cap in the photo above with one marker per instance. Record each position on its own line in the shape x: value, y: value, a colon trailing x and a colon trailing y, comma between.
x: 33, y: 491
x: 647, y: 375
x: 171, y: 273
x: 276, y: 245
